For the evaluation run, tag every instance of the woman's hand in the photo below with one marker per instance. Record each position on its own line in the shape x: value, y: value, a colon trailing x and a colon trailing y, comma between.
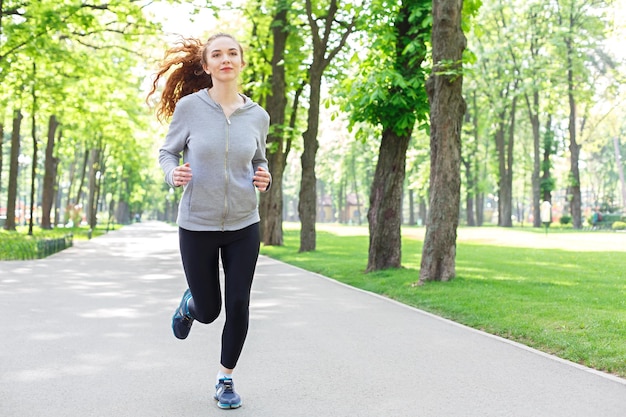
x: 182, y: 175
x: 261, y: 179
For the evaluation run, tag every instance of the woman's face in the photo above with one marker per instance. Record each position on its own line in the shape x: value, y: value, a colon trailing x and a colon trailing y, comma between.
x: 223, y: 59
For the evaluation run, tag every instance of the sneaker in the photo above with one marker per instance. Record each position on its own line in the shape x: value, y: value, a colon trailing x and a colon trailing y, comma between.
x: 182, y: 320
x: 225, y: 394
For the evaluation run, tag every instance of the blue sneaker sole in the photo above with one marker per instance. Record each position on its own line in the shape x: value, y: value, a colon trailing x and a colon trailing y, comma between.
x: 228, y: 406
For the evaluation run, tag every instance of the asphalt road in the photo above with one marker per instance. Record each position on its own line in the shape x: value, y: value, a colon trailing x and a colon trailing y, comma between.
x: 86, y: 332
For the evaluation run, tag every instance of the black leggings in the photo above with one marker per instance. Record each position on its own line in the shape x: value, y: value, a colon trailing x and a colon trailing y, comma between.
x: 200, y: 255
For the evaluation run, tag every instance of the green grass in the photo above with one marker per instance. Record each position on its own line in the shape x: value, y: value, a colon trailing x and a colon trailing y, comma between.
x: 565, y: 302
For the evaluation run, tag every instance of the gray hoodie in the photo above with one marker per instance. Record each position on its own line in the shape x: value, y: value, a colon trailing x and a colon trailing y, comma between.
x: 223, y: 155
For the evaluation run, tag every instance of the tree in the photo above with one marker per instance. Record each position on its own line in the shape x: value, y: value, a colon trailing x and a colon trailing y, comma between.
x: 390, y: 94
x: 447, y: 106
x: 498, y: 80
x: 283, y: 61
x: 328, y: 39
x: 533, y: 67
x: 85, y: 52
x: 276, y: 76
x: 582, y: 25
x: 272, y: 202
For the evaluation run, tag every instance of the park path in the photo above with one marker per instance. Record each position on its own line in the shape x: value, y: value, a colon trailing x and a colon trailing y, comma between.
x: 86, y: 332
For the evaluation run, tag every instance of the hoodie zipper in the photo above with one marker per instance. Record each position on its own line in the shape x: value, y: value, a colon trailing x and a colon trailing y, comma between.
x: 226, y: 178
x: 226, y: 150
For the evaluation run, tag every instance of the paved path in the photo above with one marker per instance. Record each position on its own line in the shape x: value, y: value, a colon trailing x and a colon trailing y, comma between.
x: 86, y: 332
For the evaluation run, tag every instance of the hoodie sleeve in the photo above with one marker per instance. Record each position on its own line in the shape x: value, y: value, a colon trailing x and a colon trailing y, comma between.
x: 175, y: 142
x: 260, y: 160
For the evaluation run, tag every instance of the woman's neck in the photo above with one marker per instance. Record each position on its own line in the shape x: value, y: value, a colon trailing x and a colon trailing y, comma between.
x: 225, y: 95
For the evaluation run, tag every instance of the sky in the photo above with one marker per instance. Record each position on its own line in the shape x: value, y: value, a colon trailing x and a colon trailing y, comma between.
x: 180, y: 20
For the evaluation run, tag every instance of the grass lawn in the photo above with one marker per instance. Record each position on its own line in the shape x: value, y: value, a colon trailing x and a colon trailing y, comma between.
x: 561, y: 293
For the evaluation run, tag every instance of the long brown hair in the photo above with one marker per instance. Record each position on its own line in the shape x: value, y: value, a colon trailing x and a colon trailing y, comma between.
x: 187, y: 59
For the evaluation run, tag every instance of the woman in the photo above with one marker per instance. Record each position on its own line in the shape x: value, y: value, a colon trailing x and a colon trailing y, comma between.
x: 221, y: 135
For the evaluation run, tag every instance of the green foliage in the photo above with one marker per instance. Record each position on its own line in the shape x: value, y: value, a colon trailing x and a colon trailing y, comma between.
x: 16, y: 246
x: 470, y: 11
x: 565, y: 220
x: 88, y: 59
x: 618, y: 225
x: 387, y: 89
x: 448, y: 68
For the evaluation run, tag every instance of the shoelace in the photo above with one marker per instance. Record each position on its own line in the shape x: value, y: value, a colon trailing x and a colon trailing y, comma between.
x: 228, y: 385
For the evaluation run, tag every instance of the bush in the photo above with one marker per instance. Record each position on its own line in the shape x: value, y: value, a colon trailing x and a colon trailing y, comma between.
x: 619, y: 225
x: 565, y: 220
x: 17, y: 246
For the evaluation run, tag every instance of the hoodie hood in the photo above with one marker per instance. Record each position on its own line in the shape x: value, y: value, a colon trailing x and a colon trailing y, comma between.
x: 204, y: 96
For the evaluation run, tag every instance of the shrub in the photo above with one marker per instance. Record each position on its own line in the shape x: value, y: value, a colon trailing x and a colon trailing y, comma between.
x: 565, y: 220
x: 16, y: 246
x: 619, y: 226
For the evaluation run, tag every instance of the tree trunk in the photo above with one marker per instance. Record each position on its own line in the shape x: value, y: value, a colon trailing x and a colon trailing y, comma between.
x: 50, y: 175
x: 548, y: 149
x: 469, y: 193
x: 307, y: 206
x: 504, y: 193
x: 574, y: 148
x: 412, y: 221
x: 480, y: 209
x: 13, y: 168
x: 505, y: 141
x: 445, y: 93
x: 356, y: 189
x: 92, y: 203
x: 620, y: 170
x: 271, y: 203
x: 79, y: 191
x: 471, y: 168
x: 385, y: 203
x: 33, y: 172
x: 423, y: 211
x: 535, y: 178
x: 510, y: 143
x: 71, y: 183
x: 574, y: 175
